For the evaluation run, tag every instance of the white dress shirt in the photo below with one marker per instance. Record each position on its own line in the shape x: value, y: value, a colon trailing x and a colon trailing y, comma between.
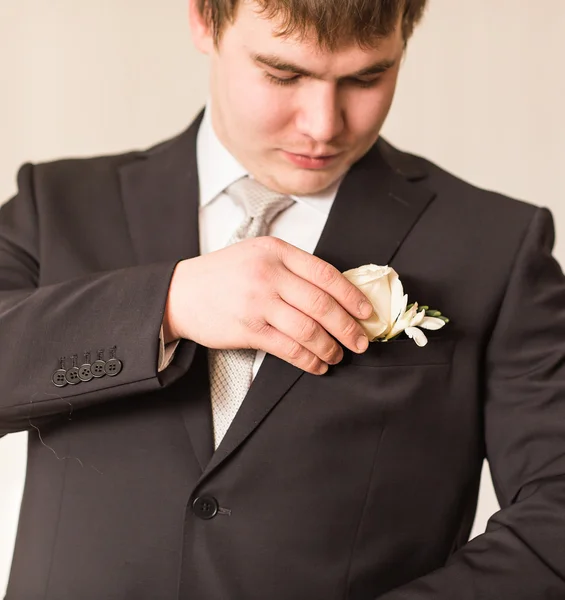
x: 300, y: 225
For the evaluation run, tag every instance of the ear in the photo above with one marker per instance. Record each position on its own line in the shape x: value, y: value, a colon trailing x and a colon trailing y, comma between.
x: 202, y: 35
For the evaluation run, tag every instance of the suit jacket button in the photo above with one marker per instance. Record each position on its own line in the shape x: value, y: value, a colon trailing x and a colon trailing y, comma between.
x: 97, y: 368
x: 72, y: 376
x: 205, y: 507
x: 84, y: 373
x: 59, y: 378
x: 113, y: 367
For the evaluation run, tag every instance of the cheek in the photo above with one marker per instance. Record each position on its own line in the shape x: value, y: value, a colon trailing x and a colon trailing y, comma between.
x: 263, y: 110
x: 368, y: 111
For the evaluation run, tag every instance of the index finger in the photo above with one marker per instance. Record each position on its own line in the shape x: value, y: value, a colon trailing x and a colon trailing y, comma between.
x: 325, y: 276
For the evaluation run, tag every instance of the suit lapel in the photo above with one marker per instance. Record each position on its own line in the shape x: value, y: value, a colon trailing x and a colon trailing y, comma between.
x: 161, y: 199
x: 377, y: 205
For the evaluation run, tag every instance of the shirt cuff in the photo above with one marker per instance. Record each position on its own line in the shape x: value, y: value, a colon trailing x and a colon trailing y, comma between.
x: 166, y: 352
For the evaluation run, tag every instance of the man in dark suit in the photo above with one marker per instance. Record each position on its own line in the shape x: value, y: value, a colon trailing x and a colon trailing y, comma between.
x: 130, y: 328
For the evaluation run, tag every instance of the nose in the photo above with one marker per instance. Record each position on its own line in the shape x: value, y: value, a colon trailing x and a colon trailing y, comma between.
x: 320, y: 116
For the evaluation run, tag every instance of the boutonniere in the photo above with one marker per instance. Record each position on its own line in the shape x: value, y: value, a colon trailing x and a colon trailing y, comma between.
x: 392, y: 314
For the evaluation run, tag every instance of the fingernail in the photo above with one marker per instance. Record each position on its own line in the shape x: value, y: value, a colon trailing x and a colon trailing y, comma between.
x: 324, y: 369
x: 365, y: 309
x: 362, y: 343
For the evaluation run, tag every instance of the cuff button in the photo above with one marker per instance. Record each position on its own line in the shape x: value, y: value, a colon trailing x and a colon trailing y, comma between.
x: 97, y: 368
x: 72, y: 376
x: 113, y: 367
x: 59, y: 378
x: 85, y: 373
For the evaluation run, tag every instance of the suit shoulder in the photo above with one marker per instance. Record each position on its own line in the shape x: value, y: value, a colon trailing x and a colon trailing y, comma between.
x: 64, y: 171
x: 458, y: 192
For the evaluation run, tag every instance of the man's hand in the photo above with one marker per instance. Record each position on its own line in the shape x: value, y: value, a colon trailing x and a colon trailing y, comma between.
x: 265, y: 294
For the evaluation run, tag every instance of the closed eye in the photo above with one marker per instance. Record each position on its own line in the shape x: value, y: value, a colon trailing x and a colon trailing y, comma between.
x: 362, y: 83
x: 281, y: 80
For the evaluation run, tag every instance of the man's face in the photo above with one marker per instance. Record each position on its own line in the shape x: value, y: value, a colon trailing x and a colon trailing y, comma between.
x: 295, y: 116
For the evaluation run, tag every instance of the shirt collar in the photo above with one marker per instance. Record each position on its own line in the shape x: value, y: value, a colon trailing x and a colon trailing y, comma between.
x: 218, y: 169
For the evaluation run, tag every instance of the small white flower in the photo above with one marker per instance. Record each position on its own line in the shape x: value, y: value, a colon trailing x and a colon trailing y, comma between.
x: 391, y: 316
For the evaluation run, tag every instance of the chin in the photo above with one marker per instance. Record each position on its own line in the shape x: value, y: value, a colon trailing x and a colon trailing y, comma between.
x: 302, y: 183
x: 295, y: 188
x: 314, y: 183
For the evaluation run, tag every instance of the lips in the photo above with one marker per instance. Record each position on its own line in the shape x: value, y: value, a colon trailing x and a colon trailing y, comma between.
x: 311, y: 162
x: 306, y: 155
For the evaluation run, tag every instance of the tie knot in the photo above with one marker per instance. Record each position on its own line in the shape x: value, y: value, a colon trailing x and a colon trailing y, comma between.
x: 261, y: 204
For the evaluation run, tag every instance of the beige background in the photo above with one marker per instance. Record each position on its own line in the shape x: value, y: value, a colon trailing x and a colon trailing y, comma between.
x: 481, y: 93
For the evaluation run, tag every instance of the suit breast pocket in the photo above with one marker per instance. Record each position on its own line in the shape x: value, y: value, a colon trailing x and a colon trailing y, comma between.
x: 404, y: 352
x: 393, y: 376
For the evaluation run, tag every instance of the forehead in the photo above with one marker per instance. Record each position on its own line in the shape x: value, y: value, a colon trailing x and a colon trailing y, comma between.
x: 257, y: 33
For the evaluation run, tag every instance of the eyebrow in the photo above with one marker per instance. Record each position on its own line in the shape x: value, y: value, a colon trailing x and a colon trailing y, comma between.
x: 280, y: 65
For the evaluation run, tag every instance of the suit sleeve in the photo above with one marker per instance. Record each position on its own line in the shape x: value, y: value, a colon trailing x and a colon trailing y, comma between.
x: 43, y: 326
x: 521, y: 556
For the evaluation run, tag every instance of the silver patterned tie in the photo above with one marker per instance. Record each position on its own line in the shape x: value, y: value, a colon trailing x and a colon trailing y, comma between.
x: 231, y: 371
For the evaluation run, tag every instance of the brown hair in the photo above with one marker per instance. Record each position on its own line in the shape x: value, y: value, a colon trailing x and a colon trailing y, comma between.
x: 333, y: 22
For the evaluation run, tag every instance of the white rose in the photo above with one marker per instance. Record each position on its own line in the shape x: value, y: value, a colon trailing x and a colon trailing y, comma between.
x: 383, y: 288
x: 381, y: 285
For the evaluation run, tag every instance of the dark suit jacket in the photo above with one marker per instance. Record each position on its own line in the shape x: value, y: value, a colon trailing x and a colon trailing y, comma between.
x: 360, y: 484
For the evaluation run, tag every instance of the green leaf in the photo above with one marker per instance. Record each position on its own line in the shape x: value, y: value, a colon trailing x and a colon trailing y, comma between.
x: 423, y: 308
x: 433, y: 313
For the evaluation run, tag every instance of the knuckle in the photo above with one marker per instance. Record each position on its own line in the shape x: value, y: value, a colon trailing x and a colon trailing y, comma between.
x: 277, y: 243
x: 261, y: 283
x: 325, y: 273
x: 351, y: 328
x: 333, y: 352
x: 269, y: 243
x: 327, y: 355
x: 314, y: 364
x: 295, y: 350
x: 351, y: 294
x: 260, y: 270
x: 321, y: 303
x: 308, y: 331
x: 258, y: 327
